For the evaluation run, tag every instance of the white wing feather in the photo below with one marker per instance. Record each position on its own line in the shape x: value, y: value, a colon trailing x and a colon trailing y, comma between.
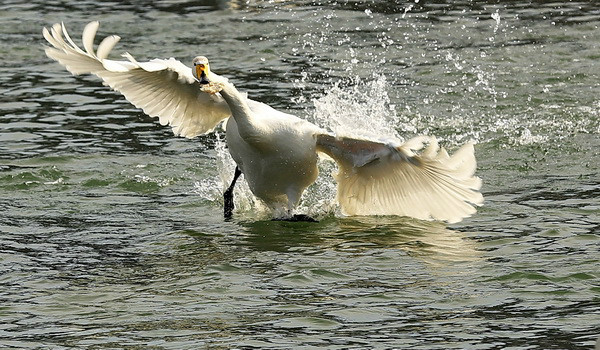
x: 165, y: 89
x: 379, y: 179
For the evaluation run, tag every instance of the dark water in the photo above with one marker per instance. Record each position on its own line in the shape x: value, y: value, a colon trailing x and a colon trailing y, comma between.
x: 110, y: 228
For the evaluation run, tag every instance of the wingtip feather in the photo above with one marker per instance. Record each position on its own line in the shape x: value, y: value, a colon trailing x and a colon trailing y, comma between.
x: 106, y: 46
x: 89, y: 33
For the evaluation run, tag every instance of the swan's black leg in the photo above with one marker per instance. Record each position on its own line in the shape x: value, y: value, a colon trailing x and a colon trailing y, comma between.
x: 228, y: 195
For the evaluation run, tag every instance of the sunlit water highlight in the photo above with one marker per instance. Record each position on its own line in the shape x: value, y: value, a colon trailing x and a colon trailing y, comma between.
x: 111, y: 233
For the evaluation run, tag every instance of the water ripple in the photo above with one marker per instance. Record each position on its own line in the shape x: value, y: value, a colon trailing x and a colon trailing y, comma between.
x: 111, y: 233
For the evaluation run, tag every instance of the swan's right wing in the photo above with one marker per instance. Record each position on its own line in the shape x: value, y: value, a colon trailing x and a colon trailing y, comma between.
x: 380, y: 179
x: 165, y: 89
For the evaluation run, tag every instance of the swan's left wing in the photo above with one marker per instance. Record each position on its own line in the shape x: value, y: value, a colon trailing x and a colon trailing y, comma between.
x: 165, y: 89
x: 381, y: 179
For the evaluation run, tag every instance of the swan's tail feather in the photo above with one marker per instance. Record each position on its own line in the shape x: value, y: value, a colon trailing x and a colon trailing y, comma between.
x: 380, y: 179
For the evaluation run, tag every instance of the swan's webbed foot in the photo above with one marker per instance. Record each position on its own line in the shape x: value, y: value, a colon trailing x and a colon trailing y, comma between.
x: 297, y: 218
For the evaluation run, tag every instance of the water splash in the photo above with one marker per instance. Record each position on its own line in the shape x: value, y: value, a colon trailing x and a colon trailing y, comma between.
x: 527, y: 138
x: 496, y: 17
x: 362, y: 109
x: 208, y: 189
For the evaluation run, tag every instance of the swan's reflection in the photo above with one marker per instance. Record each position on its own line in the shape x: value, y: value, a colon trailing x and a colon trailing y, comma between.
x: 432, y: 242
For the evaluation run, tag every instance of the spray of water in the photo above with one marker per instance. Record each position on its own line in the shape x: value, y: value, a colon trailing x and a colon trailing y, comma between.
x: 359, y: 109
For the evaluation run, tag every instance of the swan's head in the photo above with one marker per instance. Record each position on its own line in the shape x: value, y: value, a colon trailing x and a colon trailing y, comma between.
x: 209, y: 81
x: 201, y: 69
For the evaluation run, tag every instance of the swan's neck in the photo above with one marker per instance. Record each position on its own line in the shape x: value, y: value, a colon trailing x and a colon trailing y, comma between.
x: 250, y: 129
x: 236, y: 102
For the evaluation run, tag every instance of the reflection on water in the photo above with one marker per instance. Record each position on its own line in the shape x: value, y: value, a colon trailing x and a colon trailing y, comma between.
x: 432, y: 242
x: 110, y: 228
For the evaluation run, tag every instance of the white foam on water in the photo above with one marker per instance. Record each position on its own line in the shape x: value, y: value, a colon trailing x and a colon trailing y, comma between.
x: 526, y: 138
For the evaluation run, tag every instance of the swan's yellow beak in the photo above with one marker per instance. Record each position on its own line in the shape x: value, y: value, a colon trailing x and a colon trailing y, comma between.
x: 201, y: 73
x: 200, y: 70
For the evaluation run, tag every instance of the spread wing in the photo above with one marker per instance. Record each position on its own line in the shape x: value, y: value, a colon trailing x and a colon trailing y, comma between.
x: 165, y: 89
x: 380, y: 179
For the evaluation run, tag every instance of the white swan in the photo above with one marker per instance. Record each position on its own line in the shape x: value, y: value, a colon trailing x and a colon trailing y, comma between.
x: 278, y: 152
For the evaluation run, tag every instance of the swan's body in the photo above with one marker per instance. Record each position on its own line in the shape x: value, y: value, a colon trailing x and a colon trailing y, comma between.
x: 275, y: 151
x: 278, y: 152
